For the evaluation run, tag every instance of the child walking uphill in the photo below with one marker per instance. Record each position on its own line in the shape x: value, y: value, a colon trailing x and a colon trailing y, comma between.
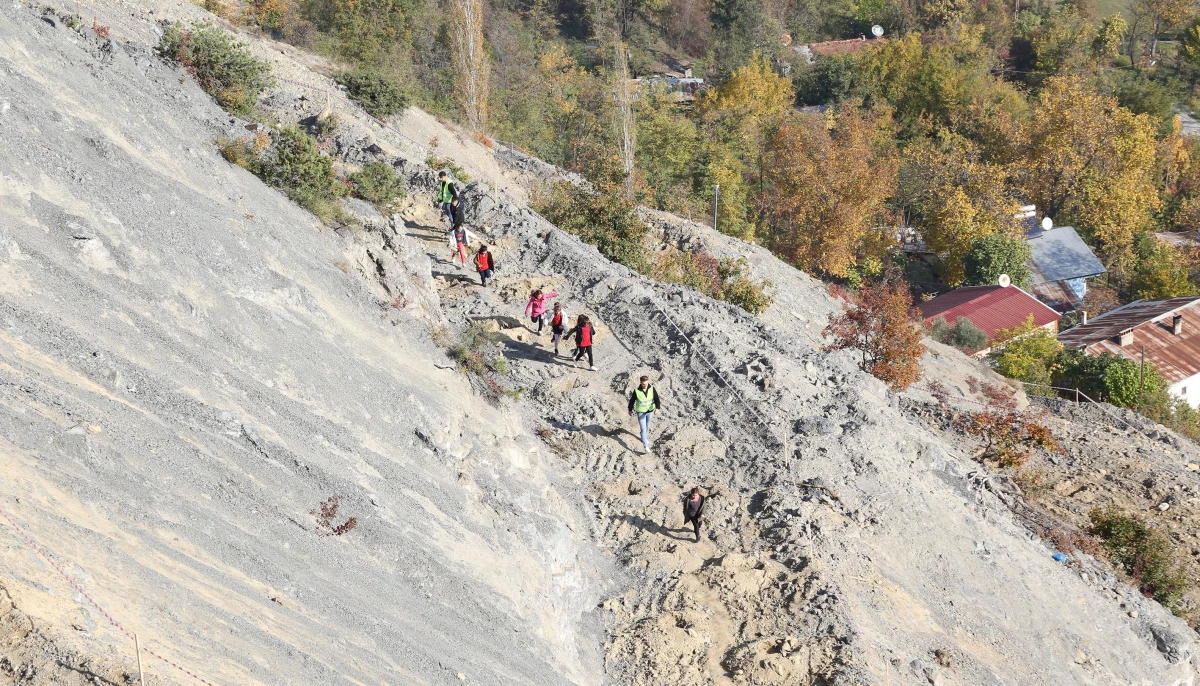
x: 558, y: 324
x: 536, y: 308
x: 583, y: 340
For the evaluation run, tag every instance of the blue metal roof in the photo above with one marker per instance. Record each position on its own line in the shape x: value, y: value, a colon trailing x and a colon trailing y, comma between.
x: 1059, y: 255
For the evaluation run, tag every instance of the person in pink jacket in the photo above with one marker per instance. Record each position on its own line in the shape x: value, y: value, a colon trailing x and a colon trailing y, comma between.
x: 537, y: 307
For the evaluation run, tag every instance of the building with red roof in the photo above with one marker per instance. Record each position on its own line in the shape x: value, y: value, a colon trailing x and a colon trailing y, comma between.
x: 990, y: 309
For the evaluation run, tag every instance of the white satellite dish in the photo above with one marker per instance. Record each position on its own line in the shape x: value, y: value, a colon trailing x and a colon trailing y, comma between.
x: 877, y: 30
x: 1004, y: 281
x: 1047, y: 224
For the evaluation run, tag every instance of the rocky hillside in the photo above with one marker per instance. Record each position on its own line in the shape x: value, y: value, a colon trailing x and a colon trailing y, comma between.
x: 191, y: 365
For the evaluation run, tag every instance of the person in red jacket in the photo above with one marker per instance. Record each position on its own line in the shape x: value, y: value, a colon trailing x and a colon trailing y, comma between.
x: 583, y: 340
x: 536, y: 308
x: 484, y: 264
x: 558, y: 324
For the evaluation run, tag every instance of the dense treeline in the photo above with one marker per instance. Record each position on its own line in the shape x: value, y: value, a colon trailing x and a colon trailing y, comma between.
x: 960, y: 114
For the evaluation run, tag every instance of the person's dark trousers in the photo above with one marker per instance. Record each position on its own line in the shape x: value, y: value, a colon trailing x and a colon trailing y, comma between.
x: 581, y: 350
x: 541, y: 321
x: 484, y: 276
x: 695, y: 526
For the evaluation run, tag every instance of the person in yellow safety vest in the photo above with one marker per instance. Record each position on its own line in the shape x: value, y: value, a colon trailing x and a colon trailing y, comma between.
x: 644, y: 401
x: 447, y: 193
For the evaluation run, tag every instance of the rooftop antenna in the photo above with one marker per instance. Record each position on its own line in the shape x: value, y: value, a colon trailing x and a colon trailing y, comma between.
x: 1004, y: 280
x: 877, y: 30
x: 1047, y: 224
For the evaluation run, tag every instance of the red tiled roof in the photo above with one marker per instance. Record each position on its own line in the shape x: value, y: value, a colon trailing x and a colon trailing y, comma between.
x: 1176, y: 357
x: 989, y: 308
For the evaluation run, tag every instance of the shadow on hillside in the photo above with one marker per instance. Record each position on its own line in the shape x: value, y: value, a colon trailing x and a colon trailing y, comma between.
x: 519, y: 350
x: 617, y: 434
x: 653, y: 527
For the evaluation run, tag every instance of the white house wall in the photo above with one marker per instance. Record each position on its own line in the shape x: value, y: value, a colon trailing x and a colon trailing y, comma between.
x: 1188, y: 389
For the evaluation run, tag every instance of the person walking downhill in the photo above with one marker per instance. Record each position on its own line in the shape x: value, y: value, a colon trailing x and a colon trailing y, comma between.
x: 645, y: 402
x: 693, y: 510
x: 459, y: 236
x: 485, y: 264
x: 584, y: 332
x: 536, y: 308
x: 447, y: 193
x: 558, y: 324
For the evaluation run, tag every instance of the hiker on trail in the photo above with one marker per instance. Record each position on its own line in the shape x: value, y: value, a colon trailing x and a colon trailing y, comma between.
x: 447, y: 193
x: 644, y: 401
x: 583, y: 340
x: 693, y: 510
x: 558, y: 324
x: 459, y: 236
x: 484, y: 264
x: 536, y: 308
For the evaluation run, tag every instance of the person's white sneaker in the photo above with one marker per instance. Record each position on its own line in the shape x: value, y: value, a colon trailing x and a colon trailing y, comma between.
x: 575, y: 363
x: 593, y: 368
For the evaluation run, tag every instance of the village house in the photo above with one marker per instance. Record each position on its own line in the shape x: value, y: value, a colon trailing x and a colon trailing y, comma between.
x: 990, y: 308
x: 1060, y: 263
x: 1164, y: 333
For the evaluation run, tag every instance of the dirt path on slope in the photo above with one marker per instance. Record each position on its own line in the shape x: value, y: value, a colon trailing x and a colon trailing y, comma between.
x: 717, y: 611
x: 30, y: 657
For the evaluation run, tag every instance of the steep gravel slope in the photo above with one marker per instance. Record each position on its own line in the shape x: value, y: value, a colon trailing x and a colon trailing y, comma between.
x: 189, y: 365
x: 186, y: 372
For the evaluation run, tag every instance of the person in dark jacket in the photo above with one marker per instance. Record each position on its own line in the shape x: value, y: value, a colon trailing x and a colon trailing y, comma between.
x: 644, y: 400
x: 693, y: 510
x: 484, y: 264
x: 558, y: 326
x: 459, y: 236
x: 583, y: 332
x: 447, y: 193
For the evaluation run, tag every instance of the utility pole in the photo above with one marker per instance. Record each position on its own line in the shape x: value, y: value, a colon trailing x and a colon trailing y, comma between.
x: 1142, y: 376
x: 716, y: 198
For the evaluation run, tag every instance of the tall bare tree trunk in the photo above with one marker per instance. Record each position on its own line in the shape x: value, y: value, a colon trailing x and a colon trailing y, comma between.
x: 470, y: 61
x: 627, y: 127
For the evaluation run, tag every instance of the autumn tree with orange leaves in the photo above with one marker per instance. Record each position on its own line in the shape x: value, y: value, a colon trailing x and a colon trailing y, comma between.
x: 830, y: 177
x: 878, y: 324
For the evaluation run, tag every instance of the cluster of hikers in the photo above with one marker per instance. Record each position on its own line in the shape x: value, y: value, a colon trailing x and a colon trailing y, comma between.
x: 644, y: 400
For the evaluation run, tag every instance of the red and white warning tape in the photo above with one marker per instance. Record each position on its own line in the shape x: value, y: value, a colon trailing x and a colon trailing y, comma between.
x: 79, y: 589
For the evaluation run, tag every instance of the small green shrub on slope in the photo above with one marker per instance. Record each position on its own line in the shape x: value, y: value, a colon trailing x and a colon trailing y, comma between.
x: 379, y: 95
x: 223, y: 67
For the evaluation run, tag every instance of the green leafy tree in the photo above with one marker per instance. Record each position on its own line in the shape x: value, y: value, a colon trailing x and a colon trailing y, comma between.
x: 1161, y: 271
x: 667, y: 148
x: 742, y: 27
x: 993, y: 255
x: 1026, y: 353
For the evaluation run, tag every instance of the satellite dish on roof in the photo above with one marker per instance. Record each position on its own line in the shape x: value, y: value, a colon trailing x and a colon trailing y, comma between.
x: 877, y: 30
x: 1047, y: 224
x: 1004, y: 281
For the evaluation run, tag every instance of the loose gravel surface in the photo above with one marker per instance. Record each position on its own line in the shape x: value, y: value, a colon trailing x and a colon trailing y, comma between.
x: 190, y: 366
